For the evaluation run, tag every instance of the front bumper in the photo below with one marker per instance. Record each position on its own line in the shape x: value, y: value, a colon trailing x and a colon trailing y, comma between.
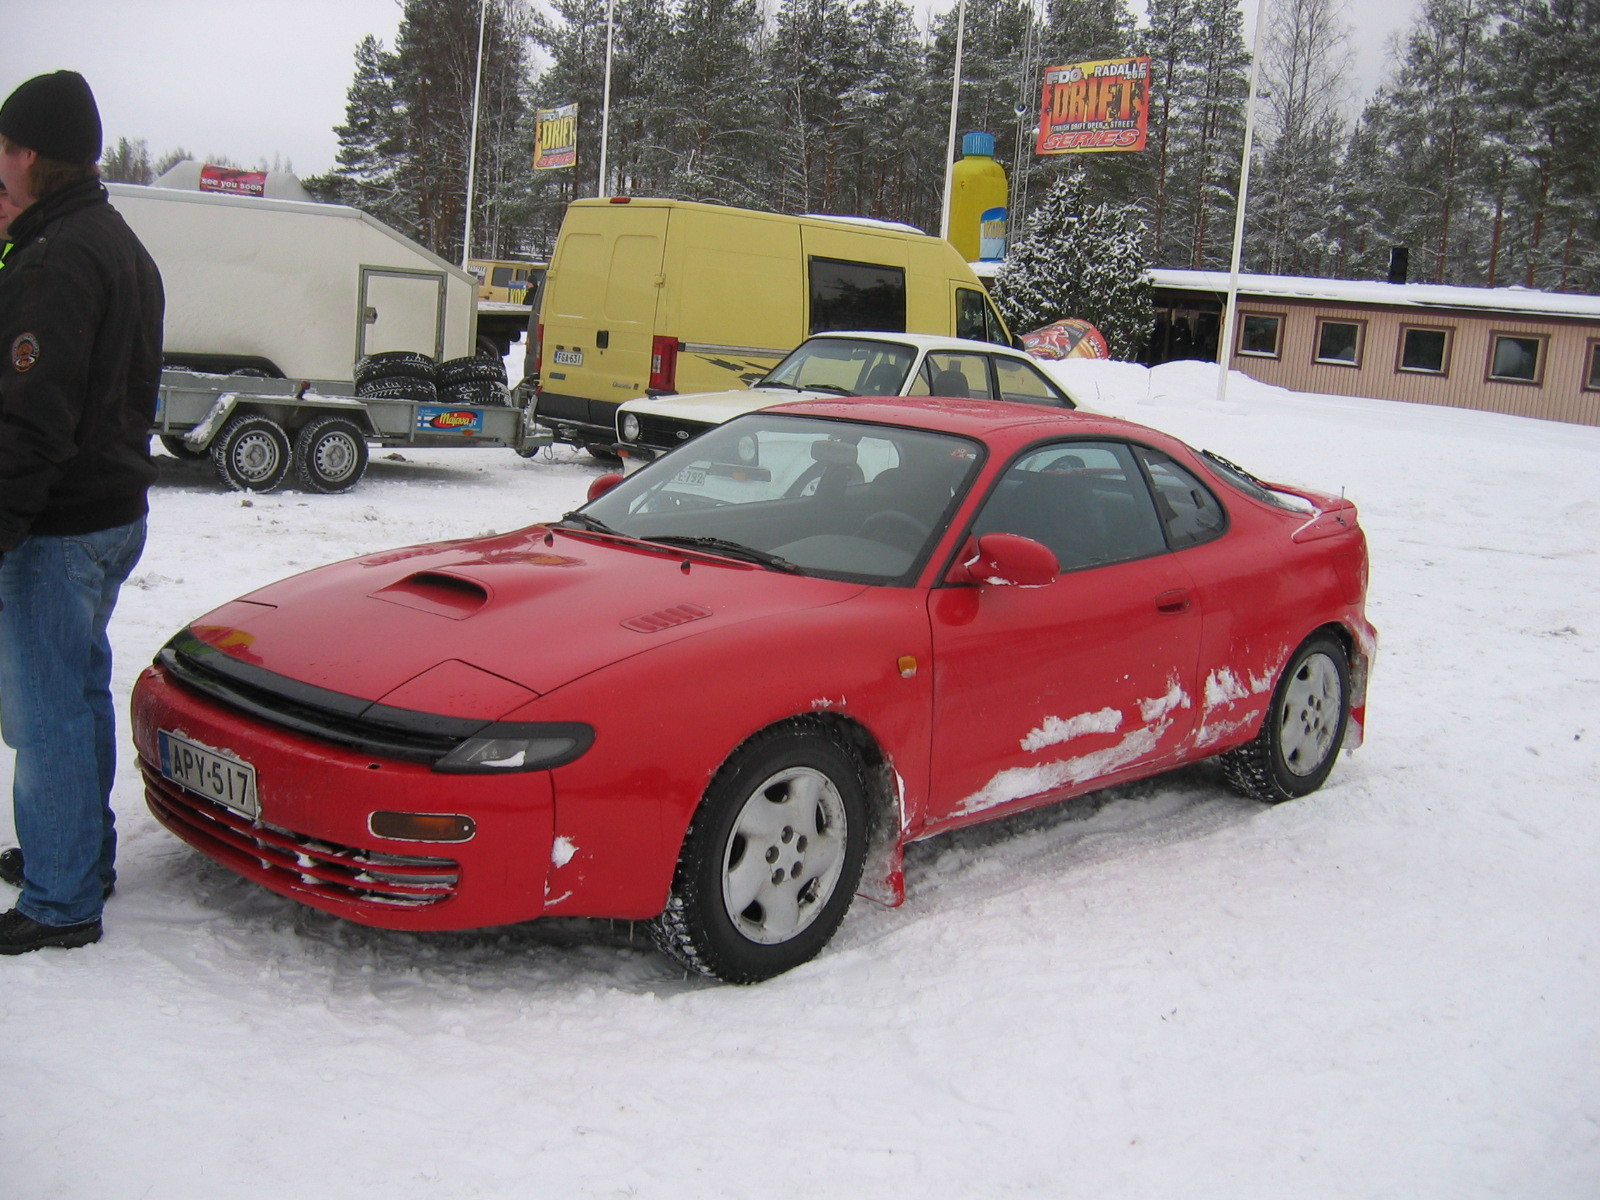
x: 313, y: 840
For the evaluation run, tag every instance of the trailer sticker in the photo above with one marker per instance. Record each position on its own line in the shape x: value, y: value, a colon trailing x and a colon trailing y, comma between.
x: 431, y: 419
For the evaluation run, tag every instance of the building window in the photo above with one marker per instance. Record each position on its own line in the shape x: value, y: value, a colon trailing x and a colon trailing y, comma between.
x: 1339, y: 342
x: 1516, y: 358
x: 1591, y: 376
x: 1426, y: 351
x: 1258, y: 335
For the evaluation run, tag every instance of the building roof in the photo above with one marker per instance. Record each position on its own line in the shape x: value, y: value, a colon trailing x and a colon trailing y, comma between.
x: 1403, y: 295
x: 1355, y: 291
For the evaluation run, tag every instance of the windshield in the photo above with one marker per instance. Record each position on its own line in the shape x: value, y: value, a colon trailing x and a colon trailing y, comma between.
x: 846, y: 366
x: 845, y: 499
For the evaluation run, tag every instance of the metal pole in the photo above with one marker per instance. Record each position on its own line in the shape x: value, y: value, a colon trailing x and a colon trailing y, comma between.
x: 1230, y: 312
x: 472, y: 149
x: 605, y: 105
x: 955, y: 105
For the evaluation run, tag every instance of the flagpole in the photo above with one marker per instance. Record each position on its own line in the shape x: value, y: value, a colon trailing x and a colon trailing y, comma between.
x: 605, y: 105
x: 955, y: 105
x: 1230, y: 312
x: 472, y: 149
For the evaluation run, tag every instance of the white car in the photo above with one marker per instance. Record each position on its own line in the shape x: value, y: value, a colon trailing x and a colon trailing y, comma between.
x: 830, y: 365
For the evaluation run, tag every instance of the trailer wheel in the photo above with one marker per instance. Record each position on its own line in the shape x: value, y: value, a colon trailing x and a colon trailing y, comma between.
x: 178, y: 448
x: 330, y: 455
x: 251, y: 454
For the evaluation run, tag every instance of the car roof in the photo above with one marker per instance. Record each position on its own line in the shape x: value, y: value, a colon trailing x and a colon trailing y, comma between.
x: 922, y: 341
x: 986, y: 420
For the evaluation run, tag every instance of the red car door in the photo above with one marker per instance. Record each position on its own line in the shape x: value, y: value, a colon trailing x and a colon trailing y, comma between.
x: 1041, y: 690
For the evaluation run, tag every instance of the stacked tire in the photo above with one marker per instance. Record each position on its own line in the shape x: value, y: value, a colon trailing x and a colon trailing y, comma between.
x: 475, y: 380
x: 396, y: 375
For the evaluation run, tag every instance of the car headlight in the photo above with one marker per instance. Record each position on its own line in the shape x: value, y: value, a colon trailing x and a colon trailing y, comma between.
x: 514, y: 746
x: 631, y: 428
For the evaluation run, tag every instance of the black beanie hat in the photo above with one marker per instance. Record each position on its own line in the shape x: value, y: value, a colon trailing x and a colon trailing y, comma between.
x: 55, y: 116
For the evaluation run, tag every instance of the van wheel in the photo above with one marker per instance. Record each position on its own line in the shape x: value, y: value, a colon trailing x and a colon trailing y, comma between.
x: 330, y: 455
x: 251, y: 454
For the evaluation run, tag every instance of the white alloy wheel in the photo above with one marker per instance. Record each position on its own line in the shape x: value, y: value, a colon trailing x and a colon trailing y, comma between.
x: 784, y: 855
x: 1311, y: 715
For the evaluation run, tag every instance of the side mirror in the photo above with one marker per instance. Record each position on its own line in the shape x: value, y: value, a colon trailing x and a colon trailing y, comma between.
x: 604, y: 484
x: 1005, y: 558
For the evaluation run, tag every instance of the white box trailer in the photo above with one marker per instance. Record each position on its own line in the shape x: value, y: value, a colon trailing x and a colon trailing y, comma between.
x: 291, y: 289
x: 270, y: 304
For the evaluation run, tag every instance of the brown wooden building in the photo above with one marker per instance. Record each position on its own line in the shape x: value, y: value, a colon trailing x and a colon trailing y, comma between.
x: 1509, y: 350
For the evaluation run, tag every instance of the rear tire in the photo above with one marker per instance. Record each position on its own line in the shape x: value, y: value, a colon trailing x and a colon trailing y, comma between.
x: 251, y: 454
x: 330, y: 455
x: 1301, y: 732
x: 771, y: 861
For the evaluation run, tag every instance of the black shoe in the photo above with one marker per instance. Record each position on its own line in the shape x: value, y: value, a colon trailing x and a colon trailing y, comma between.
x: 11, y: 866
x: 11, y: 871
x: 20, y: 934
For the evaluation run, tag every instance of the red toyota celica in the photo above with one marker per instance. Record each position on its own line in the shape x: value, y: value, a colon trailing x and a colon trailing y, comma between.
x: 723, y: 695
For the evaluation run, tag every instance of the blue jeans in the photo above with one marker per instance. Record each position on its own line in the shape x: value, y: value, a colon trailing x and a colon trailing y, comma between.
x: 56, y: 713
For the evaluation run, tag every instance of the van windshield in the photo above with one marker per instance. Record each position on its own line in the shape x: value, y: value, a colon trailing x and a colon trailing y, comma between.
x: 846, y: 366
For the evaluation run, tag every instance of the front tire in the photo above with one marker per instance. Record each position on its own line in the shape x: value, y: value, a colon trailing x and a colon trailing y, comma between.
x: 771, y: 861
x: 1302, y: 731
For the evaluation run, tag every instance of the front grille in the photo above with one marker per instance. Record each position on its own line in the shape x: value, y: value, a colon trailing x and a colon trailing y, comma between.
x: 296, y: 862
x: 664, y: 433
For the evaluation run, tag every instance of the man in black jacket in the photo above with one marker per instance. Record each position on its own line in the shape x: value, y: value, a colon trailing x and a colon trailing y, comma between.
x: 80, y: 364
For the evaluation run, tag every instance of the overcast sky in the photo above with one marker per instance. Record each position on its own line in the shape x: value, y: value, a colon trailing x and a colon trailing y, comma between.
x: 255, y: 79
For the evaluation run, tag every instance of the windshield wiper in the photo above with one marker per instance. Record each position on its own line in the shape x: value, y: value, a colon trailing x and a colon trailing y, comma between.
x: 730, y: 549
x: 793, y: 387
x: 827, y: 387
x: 584, y: 521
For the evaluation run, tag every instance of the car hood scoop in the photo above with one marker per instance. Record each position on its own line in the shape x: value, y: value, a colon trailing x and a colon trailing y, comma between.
x: 537, y: 608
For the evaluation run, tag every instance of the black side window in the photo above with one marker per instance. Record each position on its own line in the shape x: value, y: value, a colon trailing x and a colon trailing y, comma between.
x: 1087, y: 501
x: 851, y: 295
x: 970, y: 314
x: 1189, y: 510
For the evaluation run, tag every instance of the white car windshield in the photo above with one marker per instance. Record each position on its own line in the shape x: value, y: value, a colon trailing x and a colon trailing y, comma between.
x: 847, y: 499
x: 845, y: 366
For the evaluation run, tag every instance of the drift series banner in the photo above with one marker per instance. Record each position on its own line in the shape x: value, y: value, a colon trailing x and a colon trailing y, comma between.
x: 1092, y: 107
x: 557, y: 137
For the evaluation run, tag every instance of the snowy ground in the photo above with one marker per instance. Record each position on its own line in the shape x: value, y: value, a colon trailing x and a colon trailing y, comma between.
x: 1389, y: 989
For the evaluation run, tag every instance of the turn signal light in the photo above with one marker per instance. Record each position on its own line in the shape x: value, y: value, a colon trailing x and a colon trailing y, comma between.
x: 422, y: 827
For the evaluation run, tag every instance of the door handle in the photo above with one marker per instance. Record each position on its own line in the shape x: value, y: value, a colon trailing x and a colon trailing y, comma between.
x: 1175, y: 601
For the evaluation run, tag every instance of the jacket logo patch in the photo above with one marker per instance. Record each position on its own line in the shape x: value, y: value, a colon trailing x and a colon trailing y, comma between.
x: 25, y: 352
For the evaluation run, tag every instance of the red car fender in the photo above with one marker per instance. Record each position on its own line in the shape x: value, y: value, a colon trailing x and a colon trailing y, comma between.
x: 665, y: 721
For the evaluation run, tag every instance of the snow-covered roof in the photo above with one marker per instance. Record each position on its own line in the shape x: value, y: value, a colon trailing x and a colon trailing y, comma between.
x: 1352, y: 291
x: 870, y: 222
x: 1355, y: 291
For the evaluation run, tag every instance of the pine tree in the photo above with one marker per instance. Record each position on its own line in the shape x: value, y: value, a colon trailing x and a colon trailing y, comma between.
x: 1302, y: 132
x: 1080, y: 259
x: 406, y: 142
x: 127, y: 162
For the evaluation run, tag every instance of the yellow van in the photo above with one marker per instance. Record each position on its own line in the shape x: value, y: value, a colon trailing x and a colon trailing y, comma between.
x: 652, y: 297
x: 506, y: 281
